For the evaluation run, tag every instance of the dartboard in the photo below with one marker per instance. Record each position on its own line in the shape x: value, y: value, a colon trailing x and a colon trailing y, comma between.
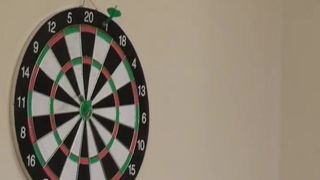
x: 80, y: 100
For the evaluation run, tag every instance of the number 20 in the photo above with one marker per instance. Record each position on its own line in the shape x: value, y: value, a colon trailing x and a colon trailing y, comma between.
x: 88, y: 17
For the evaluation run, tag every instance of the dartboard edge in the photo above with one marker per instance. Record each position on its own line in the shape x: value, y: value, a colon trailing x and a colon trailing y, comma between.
x: 79, y: 100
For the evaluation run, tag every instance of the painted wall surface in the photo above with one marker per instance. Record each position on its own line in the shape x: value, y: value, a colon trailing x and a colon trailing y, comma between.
x: 213, y: 69
x: 301, y: 87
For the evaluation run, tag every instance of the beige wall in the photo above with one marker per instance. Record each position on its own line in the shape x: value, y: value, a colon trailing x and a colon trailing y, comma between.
x: 301, y: 91
x: 213, y: 69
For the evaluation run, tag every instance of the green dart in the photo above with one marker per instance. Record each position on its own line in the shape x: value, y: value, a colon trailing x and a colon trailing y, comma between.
x: 113, y: 13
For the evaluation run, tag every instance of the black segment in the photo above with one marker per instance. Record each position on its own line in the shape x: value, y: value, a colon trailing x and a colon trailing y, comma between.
x: 125, y: 135
x: 106, y: 102
x: 83, y: 172
x: 112, y: 60
x: 108, y: 124
x: 72, y: 135
x: 42, y: 126
x: 86, y: 76
x: 98, y: 140
x: 87, y: 41
x: 99, y: 84
x: 63, y: 96
x: 84, y: 147
x: 110, y: 166
x: 57, y: 162
x: 60, y: 50
x: 126, y: 95
x: 43, y: 83
x: 63, y: 118
x: 73, y: 81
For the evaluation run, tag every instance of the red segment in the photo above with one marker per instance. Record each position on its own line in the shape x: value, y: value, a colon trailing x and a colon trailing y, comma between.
x: 52, y: 96
x: 49, y: 172
x: 87, y: 61
x: 53, y: 123
x: 84, y: 161
x: 106, y: 73
x: 53, y: 91
x: 119, y: 51
x: 65, y: 150
x: 116, y: 99
x: 32, y: 133
x: 115, y: 130
x: 67, y: 67
x: 88, y: 29
x: 117, y: 176
x: 103, y: 153
x: 135, y: 93
x: 133, y: 143
x: 55, y: 39
x: 33, y: 78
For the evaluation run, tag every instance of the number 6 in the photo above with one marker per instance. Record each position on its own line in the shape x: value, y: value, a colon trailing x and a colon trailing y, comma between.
x: 69, y: 19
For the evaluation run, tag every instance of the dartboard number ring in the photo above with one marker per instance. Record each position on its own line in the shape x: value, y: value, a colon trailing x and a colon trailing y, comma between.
x: 80, y: 100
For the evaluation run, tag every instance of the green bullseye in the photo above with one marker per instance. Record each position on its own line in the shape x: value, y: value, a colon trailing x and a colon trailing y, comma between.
x: 86, y: 110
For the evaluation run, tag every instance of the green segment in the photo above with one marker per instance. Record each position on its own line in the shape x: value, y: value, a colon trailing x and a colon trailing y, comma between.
x: 126, y: 164
x: 96, y: 64
x: 59, y: 77
x: 113, y: 86
x: 77, y: 61
x: 74, y: 158
x: 72, y: 29
x: 29, y: 104
x: 39, y: 155
x: 94, y: 159
x: 51, y: 107
x: 57, y: 137
x: 129, y: 70
x: 136, y: 128
x: 42, y: 54
x: 105, y: 36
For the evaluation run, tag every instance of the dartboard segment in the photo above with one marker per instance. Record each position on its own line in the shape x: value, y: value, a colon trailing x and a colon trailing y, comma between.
x: 81, y: 106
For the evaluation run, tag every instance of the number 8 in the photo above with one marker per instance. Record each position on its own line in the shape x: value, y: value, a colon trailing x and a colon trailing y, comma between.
x: 23, y: 132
